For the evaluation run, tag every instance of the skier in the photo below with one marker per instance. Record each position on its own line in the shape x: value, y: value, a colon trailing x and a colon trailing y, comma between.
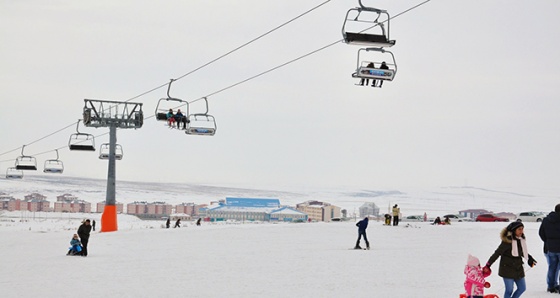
x: 177, y: 223
x: 362, y: 226
x: 198, y: 221
x: 167, y: 223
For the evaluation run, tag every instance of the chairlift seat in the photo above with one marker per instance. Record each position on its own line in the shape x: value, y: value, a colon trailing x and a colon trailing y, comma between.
x: 374, y: 73
x: 201, y: 124
x: 106, y: 156
x: 82, y: 147
x: 201, y: 131
x: 26, y: 167
x: 375, y: 40
x: 12, y: 173
x: 53, y: 170
x: 26, y: 163
x: 161, y: 116
x: 104, y: 151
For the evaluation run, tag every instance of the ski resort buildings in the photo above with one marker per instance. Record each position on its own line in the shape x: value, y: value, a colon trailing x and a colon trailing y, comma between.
x: 236, y: 209
x: 369, y: 209
x: 252, y: 209
x: 319, y: 211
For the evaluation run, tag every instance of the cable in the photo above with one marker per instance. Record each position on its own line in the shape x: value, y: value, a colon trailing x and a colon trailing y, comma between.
x: 192, y: 71
x: 230, y: 52
x: 38, y: 139
x: 303, y: 56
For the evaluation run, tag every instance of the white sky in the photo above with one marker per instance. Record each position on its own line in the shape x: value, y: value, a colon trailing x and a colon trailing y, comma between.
x: 474, y: 102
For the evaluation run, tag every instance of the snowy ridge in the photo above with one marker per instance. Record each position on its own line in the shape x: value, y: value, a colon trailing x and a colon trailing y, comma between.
x: 438, y: 201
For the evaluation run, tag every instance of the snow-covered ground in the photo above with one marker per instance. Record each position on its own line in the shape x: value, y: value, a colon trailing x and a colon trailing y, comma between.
x: 142, y: 259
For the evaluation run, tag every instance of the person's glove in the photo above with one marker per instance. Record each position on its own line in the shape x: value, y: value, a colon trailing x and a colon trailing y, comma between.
x: 532, y: 262
x: 487, y: 285
x: 486, y: 269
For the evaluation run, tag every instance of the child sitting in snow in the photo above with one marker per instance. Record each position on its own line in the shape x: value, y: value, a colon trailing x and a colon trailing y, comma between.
x: 475, y: 283
x: 75, y: 246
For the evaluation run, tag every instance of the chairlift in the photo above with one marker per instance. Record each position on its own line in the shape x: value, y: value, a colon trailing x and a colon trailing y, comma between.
x: 13, y: 173
x: 201, y: 124
x: 361, y: 19
x: 165, y: 104
x: 28, y: 163
x: 81, y: 141
x: 54, y: 166
x: 371, y: 69
x: 104, y: 151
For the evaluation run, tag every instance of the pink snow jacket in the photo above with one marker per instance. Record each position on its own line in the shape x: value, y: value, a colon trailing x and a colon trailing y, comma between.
x: 474, y: 284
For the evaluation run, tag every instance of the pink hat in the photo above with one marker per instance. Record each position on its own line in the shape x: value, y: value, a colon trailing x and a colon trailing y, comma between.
x: 473, y: 261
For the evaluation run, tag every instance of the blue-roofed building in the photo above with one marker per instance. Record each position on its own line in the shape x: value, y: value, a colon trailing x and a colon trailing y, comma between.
x: 253, y: 209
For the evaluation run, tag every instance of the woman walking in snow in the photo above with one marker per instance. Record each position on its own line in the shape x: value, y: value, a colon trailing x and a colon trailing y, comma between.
x: 511, y: 251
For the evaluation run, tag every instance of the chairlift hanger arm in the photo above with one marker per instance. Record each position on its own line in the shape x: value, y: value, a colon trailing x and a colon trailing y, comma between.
x: 363, y: 7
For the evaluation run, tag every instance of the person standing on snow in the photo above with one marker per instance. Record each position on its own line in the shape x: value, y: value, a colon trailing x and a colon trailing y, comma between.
x: 83, y: 232
x: 550, y: 235
x: 362, y: 226
x: 511, y: 251
x: 396, y: 213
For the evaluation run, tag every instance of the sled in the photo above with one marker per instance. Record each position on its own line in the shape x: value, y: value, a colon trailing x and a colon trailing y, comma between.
x: 485, y: 296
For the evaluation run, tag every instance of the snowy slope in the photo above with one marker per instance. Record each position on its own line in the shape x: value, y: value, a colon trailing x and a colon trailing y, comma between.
x: 251, y: 260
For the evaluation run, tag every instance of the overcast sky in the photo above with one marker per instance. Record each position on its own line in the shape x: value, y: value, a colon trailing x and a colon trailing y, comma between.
x: 475, y: 100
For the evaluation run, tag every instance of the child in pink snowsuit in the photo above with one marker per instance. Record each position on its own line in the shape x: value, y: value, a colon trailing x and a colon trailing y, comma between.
x: 475, y: 283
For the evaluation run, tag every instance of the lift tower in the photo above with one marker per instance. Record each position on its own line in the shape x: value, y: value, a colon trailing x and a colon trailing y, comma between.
x: 112, y: 114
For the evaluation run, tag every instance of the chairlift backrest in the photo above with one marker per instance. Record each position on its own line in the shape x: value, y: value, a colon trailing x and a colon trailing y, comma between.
x: 167, y: 103
x: 13, y: 173
x: 201, y: 124
x: 28, y: 163
x: 365, y: 71
x: 105, y: 148
x: 53, y: 165
x: 361, y: 19
x: 81, y: 141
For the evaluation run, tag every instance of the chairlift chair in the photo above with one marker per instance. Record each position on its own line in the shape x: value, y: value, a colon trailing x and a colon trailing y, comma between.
x: 27, y: 163
x: 81, y: 141
x: 104, y: 151
x: 13, y: 173
x: 201, y: 124
x: 164, y: 104
x: 54, y: 166
x: 364, y: 71
x: 362, y: 18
